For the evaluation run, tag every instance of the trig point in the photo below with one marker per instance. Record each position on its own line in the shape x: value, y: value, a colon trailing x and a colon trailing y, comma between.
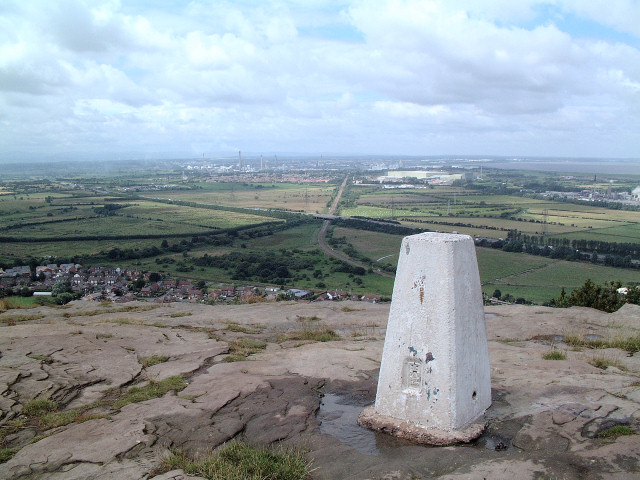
x: 434, y: 379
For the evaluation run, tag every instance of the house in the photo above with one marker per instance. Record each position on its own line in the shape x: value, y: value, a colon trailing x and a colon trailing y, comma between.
x: 228, y: 291
x: 300, y: 294
x: 371, y: 298
x: 196, y: 294
x: 22, y: 271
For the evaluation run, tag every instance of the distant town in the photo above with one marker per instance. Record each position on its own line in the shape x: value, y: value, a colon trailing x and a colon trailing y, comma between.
x: 125, y: 285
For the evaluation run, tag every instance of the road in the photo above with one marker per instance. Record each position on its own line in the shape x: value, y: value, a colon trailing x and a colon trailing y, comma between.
x: 334, y: 253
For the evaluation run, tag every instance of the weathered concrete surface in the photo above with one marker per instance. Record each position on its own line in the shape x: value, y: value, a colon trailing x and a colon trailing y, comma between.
x: 434, y: 378
x: 544, y: 420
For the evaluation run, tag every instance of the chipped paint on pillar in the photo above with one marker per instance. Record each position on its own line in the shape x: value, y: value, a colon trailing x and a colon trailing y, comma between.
x: 435, y: 364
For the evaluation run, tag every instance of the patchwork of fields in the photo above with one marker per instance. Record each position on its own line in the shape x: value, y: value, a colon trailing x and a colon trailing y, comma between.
x: 493, y: 216
x: 47, y: 221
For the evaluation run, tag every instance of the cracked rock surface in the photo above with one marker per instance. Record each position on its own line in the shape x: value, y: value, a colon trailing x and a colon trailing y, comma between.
x: 546, y: 420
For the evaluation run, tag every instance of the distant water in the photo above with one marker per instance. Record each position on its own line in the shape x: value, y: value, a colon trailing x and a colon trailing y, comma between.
x: 578, y: 165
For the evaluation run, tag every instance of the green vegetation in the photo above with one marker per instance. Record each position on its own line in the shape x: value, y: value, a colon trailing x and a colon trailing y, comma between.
x: 7, y: 454
x: 616, y: 431
x: 554, y: 354
x: 237, y: 461
x: 350, y: 309
x: 60, y: 419
x: 236, y: 327
x: 242, y: 348
x: 151, y: 390
x: 225, y: 230
x: 325, y: 334
x: 152, y: 360
x: 128, y: 308
x: 630, y: 344
x: 604, y: 298
x: 42, y: 358
x: 180, y: 314
x: 38, y: 407
x: 9, y: 319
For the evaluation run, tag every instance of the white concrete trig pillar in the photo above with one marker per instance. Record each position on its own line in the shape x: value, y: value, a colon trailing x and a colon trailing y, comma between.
x: 434, y: 382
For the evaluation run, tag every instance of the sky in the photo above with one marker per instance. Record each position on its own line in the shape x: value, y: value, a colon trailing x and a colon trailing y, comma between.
x: 109, y: 79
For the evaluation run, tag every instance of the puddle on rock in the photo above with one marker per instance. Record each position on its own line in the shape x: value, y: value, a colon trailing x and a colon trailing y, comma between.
x: 340, y: 420
x: 493, y: 442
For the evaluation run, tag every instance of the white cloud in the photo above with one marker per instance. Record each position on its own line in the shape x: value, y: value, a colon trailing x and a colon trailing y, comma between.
x: 375, y: 76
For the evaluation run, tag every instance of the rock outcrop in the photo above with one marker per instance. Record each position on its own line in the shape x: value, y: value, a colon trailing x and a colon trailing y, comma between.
x: 547, y: 417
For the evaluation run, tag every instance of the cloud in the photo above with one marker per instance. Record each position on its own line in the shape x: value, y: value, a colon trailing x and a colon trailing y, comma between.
x: 404, y: 76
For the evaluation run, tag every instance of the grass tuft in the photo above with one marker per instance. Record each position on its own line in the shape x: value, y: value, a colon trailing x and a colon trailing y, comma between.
x: 234, y: 357
x: 237, y: 461
x: 347, y: 309
x: 603, y: 361
x: 43, y: 358
x: 129, y: 308
x: 180, y: 314
x: 12, y: 319
x: 246, y: 347
x: 152, y: 390
x: 616, y: 431
x: 236, y: 327
x: 630, y: 344
x: 39, y: 406
x: 7, y: 454
x: 325, y: 334
x: 152, y: 360
x: 554, y: 354
x: 60, y: 419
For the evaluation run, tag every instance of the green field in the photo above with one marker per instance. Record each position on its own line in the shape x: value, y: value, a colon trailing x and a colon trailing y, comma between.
x: 167, y: 228
x: 492, y: 216
x: 534, y: 278
x: 310, y: 198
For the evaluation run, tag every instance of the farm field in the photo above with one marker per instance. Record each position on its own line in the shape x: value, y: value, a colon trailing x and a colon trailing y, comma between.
x: 374, y: 245
x: 492, y: 216
x: 545, y: 282
x: 534, y: 278
x: 10, y: 251
x: 102, y: 212
x: 310, y: 198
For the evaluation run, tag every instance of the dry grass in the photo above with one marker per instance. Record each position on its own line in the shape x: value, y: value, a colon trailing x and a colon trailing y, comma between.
x: 244, y: 347
x: 14, y: 318
x: 324, y: 334
x: 604, y: 361
x: 630, y: 343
